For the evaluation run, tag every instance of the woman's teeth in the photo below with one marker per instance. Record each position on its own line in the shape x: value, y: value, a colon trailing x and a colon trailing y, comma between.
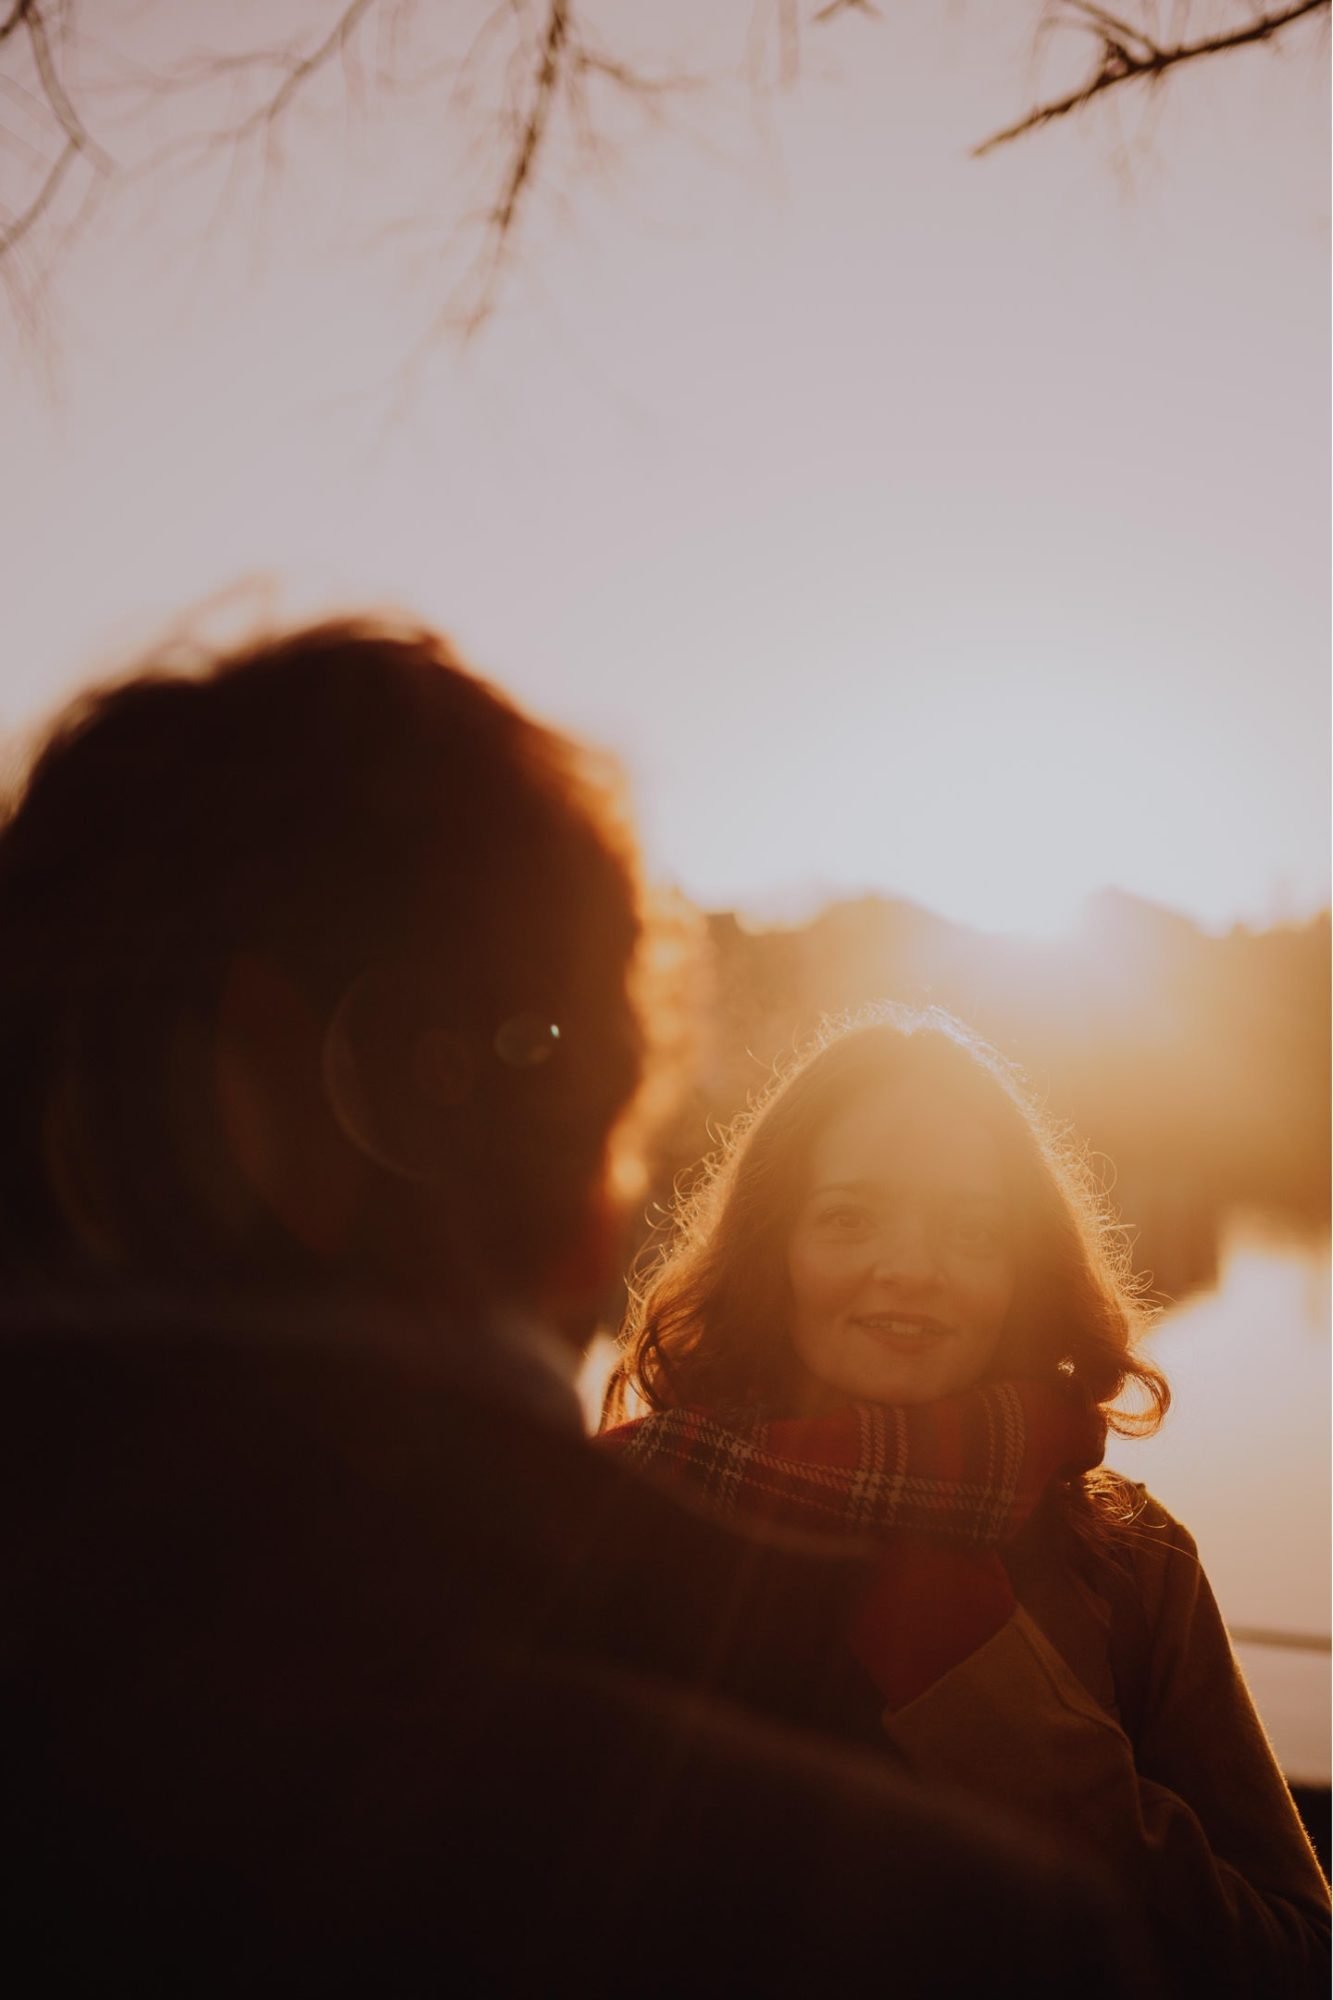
x: 910, y: 1332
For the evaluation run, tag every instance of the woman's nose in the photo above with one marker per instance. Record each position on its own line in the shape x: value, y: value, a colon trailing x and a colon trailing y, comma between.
x: 906, y: 1252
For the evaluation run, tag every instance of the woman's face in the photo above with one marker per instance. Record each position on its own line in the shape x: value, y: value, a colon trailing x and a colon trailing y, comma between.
x: 901, y: 1261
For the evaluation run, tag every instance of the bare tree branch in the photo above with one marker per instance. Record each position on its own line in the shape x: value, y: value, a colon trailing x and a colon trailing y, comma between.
x: 561, y: 64
x: 836, y: 7
x: 302, y: 68
x: 28, y: 14
x: 14, y: 18
x: 1127, y: 54
x: 591, y: 62
x: 14, y: 232
x: 532, y: 57
x: 531, y: 128
x: 56, y: 95
x: 536, y: 122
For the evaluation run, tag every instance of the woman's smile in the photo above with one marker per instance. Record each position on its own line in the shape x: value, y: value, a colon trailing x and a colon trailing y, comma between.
x: 904, y: 1333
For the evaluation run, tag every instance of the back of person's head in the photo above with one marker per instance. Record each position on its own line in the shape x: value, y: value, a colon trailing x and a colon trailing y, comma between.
x: 319, y: 969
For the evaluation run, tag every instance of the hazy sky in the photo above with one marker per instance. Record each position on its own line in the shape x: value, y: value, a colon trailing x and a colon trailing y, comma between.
x: 956, y: 528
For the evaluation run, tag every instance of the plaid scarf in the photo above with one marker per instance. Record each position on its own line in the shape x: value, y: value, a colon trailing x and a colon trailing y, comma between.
x: 940, y: 1488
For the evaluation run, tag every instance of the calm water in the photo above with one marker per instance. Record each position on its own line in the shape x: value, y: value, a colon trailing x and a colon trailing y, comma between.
x: 1244, y: 1460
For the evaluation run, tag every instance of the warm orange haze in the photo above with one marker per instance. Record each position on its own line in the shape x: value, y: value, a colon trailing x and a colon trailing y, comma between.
x: 938, y: 544
x: 995, y: 489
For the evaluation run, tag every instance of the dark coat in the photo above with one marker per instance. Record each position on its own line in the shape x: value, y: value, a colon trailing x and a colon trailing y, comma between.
x: 321, y: 1675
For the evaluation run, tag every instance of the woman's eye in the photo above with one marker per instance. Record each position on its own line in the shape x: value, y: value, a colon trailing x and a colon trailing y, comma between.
x: 844, y: 1221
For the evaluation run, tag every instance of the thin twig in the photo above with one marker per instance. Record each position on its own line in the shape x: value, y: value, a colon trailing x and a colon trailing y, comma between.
x: 590, y: 62
x: 299, y: 70
x: 534, y: 127
x: 1122, y: 63
x: 14, y: 18
x: 57, y: 96
x: 836, y: 7
x: 19, y: 227
x: 333, y: 44
x: 531, y: 131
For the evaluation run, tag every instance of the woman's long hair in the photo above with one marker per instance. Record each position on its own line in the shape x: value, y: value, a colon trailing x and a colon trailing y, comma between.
x: 709, y: 1312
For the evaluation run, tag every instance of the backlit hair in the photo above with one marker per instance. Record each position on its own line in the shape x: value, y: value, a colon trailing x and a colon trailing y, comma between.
x: 708, y: 1316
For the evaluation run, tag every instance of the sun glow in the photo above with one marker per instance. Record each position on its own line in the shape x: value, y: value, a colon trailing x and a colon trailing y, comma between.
x: 993, y: 786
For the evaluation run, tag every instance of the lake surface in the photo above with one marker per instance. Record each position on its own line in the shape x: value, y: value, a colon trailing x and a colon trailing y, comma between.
x: 1244, y: 1460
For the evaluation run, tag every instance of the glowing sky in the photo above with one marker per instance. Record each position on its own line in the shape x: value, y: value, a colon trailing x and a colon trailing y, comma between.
x: 955, y: 528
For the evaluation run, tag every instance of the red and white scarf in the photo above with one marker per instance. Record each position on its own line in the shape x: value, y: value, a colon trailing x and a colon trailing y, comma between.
x: 940, y: 1488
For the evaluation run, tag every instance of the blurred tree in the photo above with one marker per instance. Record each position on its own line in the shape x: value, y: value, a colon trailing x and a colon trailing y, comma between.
x: 88, y: 92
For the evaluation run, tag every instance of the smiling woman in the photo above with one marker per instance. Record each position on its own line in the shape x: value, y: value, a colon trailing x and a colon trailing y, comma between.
x: 896, y: 1310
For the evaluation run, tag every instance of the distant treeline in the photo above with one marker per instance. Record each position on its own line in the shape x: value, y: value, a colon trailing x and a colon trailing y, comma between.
x: 1194, y: 1068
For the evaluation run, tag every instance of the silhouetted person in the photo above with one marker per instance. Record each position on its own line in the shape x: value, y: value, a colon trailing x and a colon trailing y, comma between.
x: 332, y: 1658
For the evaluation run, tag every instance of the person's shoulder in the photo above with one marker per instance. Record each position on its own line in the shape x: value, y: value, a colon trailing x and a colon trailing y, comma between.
x: 1142, y: 1544
x: 1135, y: 1520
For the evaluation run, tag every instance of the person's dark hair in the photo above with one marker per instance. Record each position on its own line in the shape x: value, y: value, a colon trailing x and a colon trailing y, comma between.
x: 319, y: 966
x: 708, y: 1313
